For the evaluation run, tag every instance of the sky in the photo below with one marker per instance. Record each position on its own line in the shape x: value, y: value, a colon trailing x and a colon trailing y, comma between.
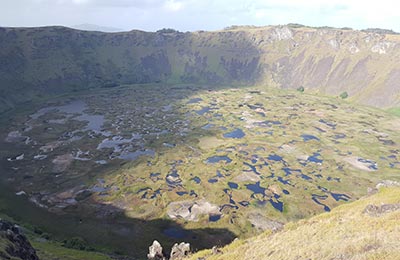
x: 193, y: 15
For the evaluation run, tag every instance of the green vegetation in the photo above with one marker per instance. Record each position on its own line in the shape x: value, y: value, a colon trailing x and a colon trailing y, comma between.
x: 343, y: 95
x: 295, y: 155
x: 49, y: 250
x: 77, y: 243
x: 395, y: 111
x: 300, y: 89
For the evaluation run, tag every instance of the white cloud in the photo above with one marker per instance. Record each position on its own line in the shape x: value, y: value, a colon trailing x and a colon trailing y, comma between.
x: 172, y: 5
x: 201, y: 14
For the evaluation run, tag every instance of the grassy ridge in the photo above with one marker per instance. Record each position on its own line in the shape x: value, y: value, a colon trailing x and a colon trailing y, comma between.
x: 344, y: 233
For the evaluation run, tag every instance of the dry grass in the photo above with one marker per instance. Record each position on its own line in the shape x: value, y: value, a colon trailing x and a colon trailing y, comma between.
x: 344, y: 233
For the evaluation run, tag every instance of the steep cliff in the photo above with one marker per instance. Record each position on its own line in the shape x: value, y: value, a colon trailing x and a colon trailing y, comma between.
x: 37, y: 62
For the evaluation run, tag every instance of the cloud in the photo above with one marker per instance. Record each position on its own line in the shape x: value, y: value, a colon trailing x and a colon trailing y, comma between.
x: 201, y: 15
x: 172, y: 5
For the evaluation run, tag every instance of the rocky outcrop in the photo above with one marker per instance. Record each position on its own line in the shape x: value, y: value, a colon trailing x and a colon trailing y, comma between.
x: 191, y: 210
x: 377, y: 211
x: 15, y: 244
x: 178, y: 251
x: 155, y: 251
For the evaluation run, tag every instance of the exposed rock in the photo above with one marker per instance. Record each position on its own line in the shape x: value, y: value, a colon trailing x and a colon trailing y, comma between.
x: 15, y: 136
x: 62, y: 162
x: 262, y: 223
x: 16, y: 243
x: 180, y: 251
x: 387, y: 183
x: 155, y: 251
x: 382, y: 47
x: 191, y: 210
x: 282, y: 33
x: 377, y: 211
x: 215, y: 250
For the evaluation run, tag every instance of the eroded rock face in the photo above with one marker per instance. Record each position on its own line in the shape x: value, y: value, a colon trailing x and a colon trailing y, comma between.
x: 17, y: 245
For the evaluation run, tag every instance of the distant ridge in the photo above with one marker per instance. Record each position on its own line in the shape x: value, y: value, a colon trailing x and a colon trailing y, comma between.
x: 94, y: 27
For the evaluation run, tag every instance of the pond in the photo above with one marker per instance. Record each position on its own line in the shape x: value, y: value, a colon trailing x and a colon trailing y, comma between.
x: 256, y: 189
x: 237, y: 133
x: 217, y: 159
x: 194, y: 100
x: 307, y: 138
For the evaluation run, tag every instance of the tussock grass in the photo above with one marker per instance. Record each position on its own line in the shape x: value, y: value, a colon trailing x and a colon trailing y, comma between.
x: 344, y: 233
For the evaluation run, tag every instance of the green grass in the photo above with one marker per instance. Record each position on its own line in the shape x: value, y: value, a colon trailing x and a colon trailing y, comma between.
x: 52, y: 250
x: 394, y: 111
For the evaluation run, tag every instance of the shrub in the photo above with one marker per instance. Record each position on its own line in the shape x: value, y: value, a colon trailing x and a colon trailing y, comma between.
x: 300, y: 89
x: 344, y: 95
x: 76, y: 243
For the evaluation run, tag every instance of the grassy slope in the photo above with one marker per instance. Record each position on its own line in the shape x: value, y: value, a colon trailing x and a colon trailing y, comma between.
x: 49, y: 249
x: 344, y: 233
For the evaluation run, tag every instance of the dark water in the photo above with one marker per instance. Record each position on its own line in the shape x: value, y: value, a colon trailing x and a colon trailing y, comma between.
x: 331, y: 125
x: 233, y: 185
x: 217, y: 159
x: 212, y: 180
x: 244, y: 203
x: 196, y: 179
x: 274, y: 157
x: 175, y: 233
x: 278, y: 205
x: 208, y: 126
x: 307, y: 138
x: 203, y: 111
x: 316, y: 199
x: 370, y: 164
x: 237, y: 133
x: 214, y: 218
x: 194, y: 101
x: 289, y: 171
x: 252, y: 167
x: 256, y: 188
x: 285, y: 182
x: 305, y: 177
x: 314, y: 158
x: 181, y: 193
x: 338, y: 196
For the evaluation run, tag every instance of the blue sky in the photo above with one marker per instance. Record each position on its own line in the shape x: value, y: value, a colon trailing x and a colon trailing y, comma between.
x: 192, y: 15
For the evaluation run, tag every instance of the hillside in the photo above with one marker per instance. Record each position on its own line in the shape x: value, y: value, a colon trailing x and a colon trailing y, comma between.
x: 37, y: 62
x: 365, y: 229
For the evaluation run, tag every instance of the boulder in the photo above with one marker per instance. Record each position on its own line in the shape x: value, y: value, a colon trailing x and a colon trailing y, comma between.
x: 155, y: 251
x: 180, y: 251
